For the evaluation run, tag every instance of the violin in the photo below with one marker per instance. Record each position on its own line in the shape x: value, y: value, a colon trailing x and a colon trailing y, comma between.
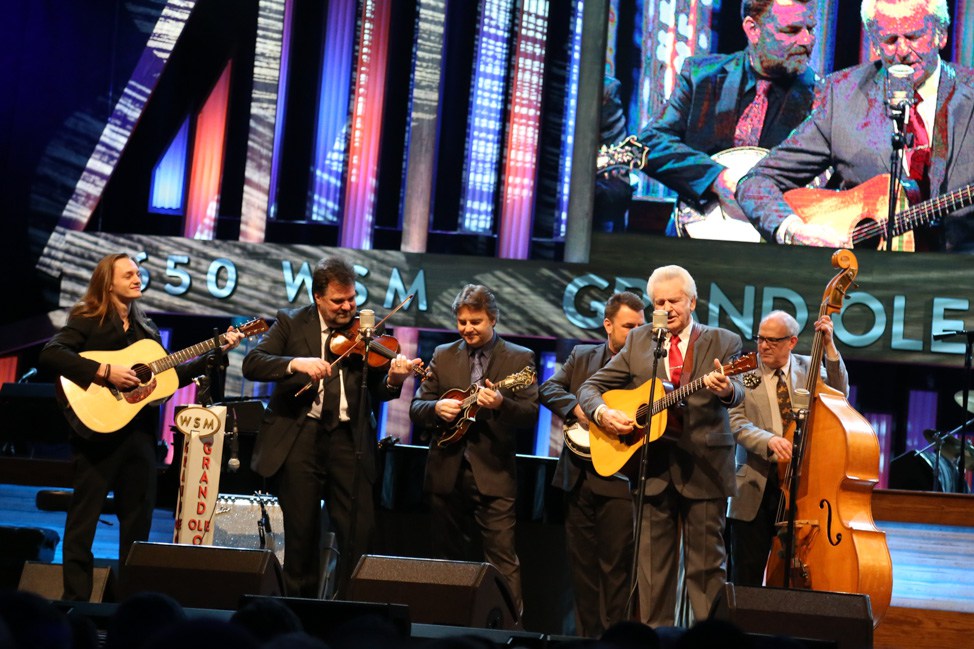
x: 382, y: 348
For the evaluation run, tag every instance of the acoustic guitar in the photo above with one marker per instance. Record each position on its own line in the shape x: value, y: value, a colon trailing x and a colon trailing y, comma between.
x: 105, y: 408
x: 610, y: 453
x: 456, y: 429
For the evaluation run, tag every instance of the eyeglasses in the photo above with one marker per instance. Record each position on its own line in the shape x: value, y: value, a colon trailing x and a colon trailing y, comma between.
x: 771, y: 341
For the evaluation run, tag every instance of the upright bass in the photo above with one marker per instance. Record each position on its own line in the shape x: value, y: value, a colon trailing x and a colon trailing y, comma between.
x: 835, y: 544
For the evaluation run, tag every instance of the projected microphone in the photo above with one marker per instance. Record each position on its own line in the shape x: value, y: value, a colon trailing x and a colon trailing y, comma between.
x: 28, y: 375
x: 366, y: 323
x: 899, y: 91
x: 234, y: 462
x: 659, y: 324
x: 800, y: 402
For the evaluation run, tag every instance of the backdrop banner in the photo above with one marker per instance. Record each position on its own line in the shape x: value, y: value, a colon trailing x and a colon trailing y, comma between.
x: 899, y: 302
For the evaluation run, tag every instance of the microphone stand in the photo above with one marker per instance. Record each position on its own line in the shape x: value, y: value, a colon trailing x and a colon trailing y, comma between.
x: 641, y: 480
x: 801, y: 414
x: 359, y: 442
x: 965, y: 427
x: 900, y: 139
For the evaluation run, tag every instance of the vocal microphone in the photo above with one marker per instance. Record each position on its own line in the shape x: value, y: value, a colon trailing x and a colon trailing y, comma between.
x: 366, y: 323
x: 800, y: 401
x: 899, y: 91
x: 234, y: 462
x: 28, y: 375
x: 659, y: 324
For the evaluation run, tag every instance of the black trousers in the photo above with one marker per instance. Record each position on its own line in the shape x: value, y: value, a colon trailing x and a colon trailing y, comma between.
x: 322, y: 464
x: 599, y: 533
x: 456, y: 517
x: 750, y: 541
x: 122, y: 462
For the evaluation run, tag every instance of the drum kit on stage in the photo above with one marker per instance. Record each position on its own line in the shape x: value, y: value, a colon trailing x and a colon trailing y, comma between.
x: 937, y: 466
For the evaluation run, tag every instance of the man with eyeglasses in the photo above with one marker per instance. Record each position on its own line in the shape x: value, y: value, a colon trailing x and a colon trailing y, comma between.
x: 758, y: 424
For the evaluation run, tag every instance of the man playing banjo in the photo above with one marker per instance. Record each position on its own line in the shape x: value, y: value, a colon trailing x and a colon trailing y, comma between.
x: 598, y: 511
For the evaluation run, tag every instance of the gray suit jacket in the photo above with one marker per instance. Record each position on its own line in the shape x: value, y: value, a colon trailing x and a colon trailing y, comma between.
x: 490, y: 443
x: 558, y: 394
x: 851, y: 132
x: 700, y: 462
x: 751, y: 424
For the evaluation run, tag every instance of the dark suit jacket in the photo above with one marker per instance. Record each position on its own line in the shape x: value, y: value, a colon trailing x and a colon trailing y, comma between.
x: 297, y: 332
x: 60, y: 356
x: 558, y: 395
x: 490, y: 443
x: 751, y: 423
x: 700, y: 463
x: 700, y: 118
x: 851, y: 132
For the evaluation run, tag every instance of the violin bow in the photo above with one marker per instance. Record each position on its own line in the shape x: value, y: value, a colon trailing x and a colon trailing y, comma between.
x: 358, y: 338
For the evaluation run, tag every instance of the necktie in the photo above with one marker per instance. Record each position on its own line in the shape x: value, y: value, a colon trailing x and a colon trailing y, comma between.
x: 784, y: 397
x: 918, y: 156
x: 675, y: 359
x: 476, y: 366
x: 748, y: 131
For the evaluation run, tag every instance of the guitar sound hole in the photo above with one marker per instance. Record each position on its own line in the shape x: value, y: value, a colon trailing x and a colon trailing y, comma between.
x: 143, y: 372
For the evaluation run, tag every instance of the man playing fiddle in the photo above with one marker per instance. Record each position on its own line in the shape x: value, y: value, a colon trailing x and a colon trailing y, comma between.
x: 320, y: 443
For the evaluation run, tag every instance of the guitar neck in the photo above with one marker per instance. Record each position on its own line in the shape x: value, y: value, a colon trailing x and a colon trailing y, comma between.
x: 935, y: 208
x: 183, y: 355
x: 676, y: 396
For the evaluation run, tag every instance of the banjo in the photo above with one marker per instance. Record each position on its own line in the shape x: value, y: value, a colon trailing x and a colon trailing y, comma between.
x: 577, y: 440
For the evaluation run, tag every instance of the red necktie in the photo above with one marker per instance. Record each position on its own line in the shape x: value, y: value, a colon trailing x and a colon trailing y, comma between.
x: 918, y: 156
x: 748, y: 131
x: 675, y: 359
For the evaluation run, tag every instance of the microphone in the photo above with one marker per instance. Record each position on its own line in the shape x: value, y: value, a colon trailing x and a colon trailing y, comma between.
x: 899, y: 90
x: 800, y: 401
x: 28, y: 375
x: 234, y: 462
x: 366, y: 323
x: 659, y: 324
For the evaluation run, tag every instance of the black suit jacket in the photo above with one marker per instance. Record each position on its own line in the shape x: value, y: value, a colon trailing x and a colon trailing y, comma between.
x: 297, y: 332
x: 558, y: 395
x: 490, y: 443
x: 61, y: 356
x: 700, y: 118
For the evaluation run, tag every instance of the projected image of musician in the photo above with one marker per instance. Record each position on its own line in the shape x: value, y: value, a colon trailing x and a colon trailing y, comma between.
x: 690, y: 471
x: 108, y: 321
x: 470, y: 470
x: 852, y: 132
x: 317, y: 440
x: 759, y: 424
x: 598, y: 510
x: 725, y: 106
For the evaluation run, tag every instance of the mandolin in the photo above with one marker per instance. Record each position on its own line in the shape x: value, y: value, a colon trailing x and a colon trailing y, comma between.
x: 456, y: 429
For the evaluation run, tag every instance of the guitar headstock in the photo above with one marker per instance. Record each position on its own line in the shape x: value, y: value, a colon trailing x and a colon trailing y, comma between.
x: 630, y: 153
x: 253, y: 327
x: 521, y: 379
x: 745, y: 363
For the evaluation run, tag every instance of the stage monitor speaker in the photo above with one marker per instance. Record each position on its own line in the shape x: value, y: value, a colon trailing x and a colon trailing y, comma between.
x: 457, y: 593
x: 843, y: 619
x: 47, y: 580
x: 201, y: 576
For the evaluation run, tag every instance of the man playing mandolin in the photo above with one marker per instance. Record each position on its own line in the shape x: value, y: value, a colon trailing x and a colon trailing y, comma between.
x: 690, y: 470
x: 471, y: 482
